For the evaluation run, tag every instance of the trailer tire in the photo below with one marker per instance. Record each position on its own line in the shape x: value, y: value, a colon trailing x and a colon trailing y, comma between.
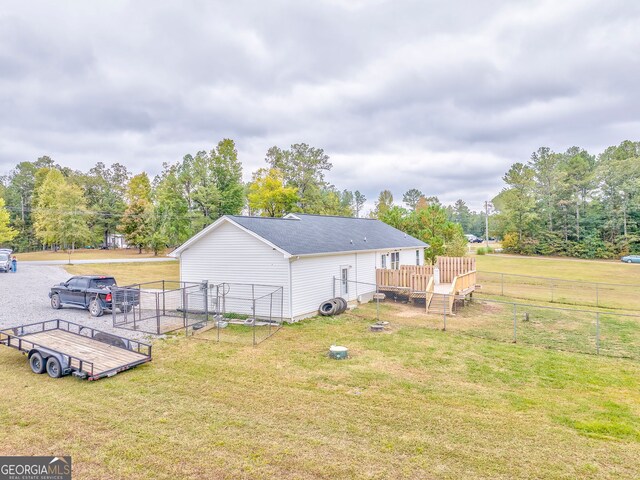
x: 327, y: 309
x: 95, y: 309
x: 54, y: 369
x: 37, y: 363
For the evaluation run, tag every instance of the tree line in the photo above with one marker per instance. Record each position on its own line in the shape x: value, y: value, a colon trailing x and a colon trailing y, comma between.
x: 46, y: 205
x: 572, y: 203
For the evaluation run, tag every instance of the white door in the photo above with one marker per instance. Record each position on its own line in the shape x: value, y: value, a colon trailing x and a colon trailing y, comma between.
x: 344, y: 282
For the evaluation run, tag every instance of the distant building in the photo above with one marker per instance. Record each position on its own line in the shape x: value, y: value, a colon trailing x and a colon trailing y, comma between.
x: 116, y: 240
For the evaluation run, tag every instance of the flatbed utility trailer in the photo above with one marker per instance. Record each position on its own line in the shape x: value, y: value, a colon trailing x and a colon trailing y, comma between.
x: 59, y: 348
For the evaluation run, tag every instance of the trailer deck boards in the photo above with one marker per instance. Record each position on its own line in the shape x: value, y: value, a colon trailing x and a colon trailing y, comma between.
x: 104, y: 357
x: 81, y: 350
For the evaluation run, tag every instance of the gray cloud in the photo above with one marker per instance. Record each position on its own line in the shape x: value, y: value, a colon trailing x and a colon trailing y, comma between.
x: 400, y: 94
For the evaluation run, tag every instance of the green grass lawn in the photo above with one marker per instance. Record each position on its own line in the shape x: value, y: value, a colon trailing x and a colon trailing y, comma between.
x: 603, y: 271
x: 514, y: 277
x: 412, y: 403
x: 129, y: 273
x: 82, y: 254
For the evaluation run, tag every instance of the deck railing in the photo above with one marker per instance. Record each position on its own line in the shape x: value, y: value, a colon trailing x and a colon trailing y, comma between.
x: 415, y: 277
x: 463, y: 282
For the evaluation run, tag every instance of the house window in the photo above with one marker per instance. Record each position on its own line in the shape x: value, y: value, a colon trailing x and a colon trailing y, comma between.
x: 383, y: 260
x: 395, y: 260
x: 417, y: 257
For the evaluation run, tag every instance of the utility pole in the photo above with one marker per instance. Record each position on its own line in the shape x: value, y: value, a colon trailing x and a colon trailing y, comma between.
x: 486, y: 222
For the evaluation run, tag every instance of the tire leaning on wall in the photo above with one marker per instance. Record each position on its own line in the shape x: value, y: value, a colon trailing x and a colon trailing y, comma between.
x: 328, y: 308
x: 342, y: 305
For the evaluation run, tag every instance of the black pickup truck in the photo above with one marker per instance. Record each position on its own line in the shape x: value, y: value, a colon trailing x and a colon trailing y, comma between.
x: 93, y: 292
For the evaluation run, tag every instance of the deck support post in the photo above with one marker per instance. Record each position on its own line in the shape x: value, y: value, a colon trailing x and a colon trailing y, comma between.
x: 444, y: 312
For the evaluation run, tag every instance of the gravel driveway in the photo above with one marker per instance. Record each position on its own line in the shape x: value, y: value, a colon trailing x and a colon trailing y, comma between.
x: 24, y: 298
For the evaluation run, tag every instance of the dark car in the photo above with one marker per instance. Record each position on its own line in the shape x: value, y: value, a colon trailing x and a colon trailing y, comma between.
x: 93, y: 292
x: 5, y: 262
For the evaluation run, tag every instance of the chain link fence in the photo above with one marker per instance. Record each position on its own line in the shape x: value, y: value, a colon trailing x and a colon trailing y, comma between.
x: 158, y: 307
x: 596, y: 332
x: 241, y: 313
x: 554, y: 290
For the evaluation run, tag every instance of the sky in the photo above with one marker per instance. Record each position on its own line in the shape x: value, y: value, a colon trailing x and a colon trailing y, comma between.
x: 439, y: 96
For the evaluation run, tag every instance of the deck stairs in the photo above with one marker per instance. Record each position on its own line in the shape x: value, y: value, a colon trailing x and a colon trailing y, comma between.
x: 439, y: 304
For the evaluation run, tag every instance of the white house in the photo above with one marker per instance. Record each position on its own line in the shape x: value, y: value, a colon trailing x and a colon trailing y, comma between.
x: 313, y: 257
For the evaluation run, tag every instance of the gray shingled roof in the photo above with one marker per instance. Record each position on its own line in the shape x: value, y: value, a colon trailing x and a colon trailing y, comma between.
x: 324, y: 234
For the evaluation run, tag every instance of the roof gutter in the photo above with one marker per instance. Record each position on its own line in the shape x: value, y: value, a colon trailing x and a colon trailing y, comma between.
x: 358, y: 251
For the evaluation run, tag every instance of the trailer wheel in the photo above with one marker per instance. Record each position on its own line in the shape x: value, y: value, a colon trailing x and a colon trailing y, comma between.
x: 95, y: 308
x: 37, y: 363
x: 53, y: 367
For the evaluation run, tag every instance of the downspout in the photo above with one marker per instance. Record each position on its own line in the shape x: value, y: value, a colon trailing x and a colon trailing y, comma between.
x: 290, y: 290
x: 356, y: 275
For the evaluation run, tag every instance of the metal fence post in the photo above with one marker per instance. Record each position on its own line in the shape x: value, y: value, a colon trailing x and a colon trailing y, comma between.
x: 254, y: 321
x: 270, y: 311
x: 164, y: 309
x: 597, y: 296
x: 597, y: 333
x: 515, y: 323
x: 157, y: 314
x: 218, y: 312
x: 551, y: 292
x: 205, y: 299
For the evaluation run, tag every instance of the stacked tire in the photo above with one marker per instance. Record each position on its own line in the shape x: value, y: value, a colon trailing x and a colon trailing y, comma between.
x: 332, y: 307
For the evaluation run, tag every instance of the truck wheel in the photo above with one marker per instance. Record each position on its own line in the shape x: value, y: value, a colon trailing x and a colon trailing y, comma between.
x: 95, y: 308
x: 37, y: 363
x: 53, y: 367
x: 55, y: 302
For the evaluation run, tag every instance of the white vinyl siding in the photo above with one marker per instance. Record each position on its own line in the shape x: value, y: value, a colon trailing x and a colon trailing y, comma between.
x: 230, y: 254
x: 408, y: 257
x: 313, y: 279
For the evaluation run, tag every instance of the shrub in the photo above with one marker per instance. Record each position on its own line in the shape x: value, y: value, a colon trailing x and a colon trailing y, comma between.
x: 481, y: 251
x: 510, y: 242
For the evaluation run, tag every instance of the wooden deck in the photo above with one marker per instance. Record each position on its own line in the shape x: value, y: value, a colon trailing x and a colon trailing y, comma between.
x: 457, y: 277
x: 103, y: 356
